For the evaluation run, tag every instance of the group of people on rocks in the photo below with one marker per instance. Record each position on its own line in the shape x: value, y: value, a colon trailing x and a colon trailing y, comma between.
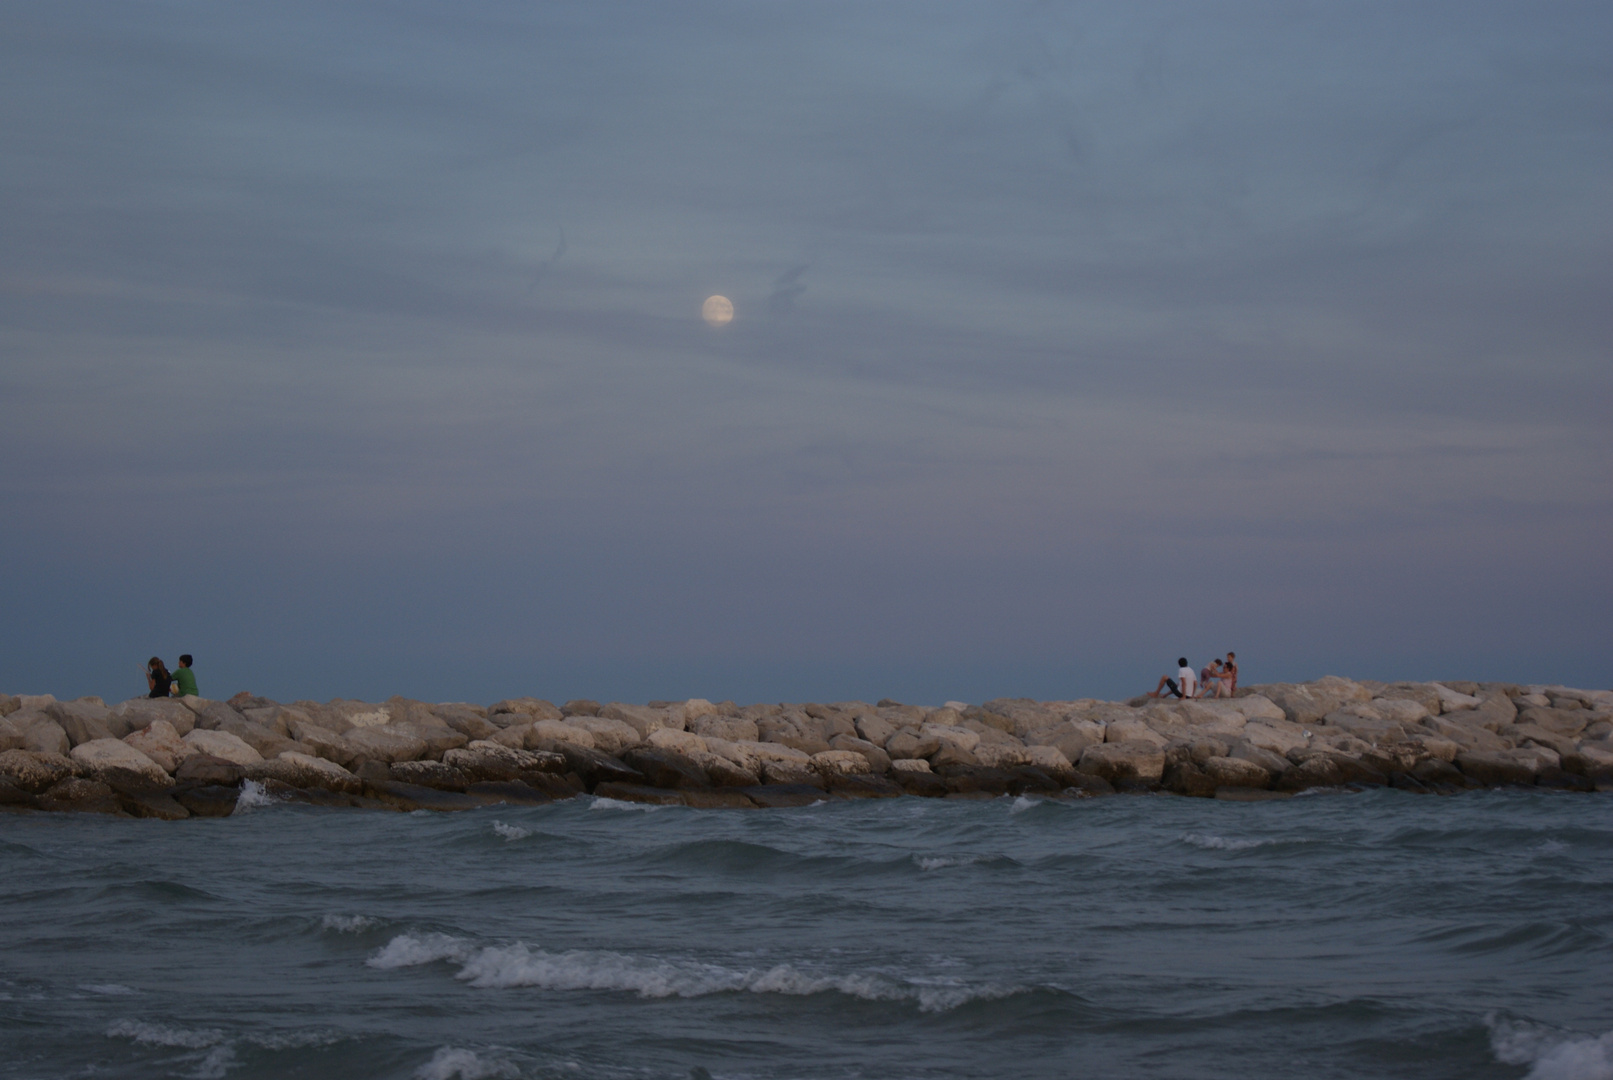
x: 1217, y: 679
x: 179, y: 683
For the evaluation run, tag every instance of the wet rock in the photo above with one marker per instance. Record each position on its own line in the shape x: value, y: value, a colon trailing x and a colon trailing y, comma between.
x: 484, y: 761
x: 1142, y: 761
x: 150, y: 803
x: 1188, y: 778
x: 1249, y: 794
x: 963, y: 779
x: 409, y: 797
x: 79, y: 795
x: 13, y: 797
x: 432, y: 774
x: 510, y: 792
x: 594, y: 768
x: 863, y: 786
x: 1436, y: 773
x: 1562, y: 780
x: 1236, y: 772
x: 1088, y: 786
x: 666, y: 768
x: 1495, y: 767
x: 223, y: 744
x: 718, y: 799
x: 112, y: 760
x: 202, y: 769
x: 792, y: 774
x: 927, y: 784
x: 638, y: 793
x: 840, y: 762
x: 316, y: 772
x: 779, y: 796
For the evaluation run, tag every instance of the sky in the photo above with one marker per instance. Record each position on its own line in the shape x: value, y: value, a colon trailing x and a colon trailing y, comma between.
x: 356, y: 349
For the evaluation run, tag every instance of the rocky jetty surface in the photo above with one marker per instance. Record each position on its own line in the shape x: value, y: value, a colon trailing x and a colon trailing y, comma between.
x: 185, y: 757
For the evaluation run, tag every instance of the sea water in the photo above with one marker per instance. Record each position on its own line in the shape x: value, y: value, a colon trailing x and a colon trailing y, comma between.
x: 1374, y: 934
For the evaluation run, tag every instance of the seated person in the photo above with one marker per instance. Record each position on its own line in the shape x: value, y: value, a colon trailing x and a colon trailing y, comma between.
x: 185, y: 679
x: 1184, y: 689
x: 158, y: 679
x: 1213, y: 681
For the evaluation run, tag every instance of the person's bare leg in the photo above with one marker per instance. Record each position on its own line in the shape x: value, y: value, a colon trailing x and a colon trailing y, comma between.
x: 1163, y: 679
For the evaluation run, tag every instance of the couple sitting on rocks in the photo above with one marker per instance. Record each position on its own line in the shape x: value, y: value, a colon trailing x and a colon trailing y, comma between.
x: 1216, y: 680
x: 181, y: 683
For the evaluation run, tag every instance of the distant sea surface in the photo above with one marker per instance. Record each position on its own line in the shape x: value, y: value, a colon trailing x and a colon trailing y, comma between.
x: 1369, y: 935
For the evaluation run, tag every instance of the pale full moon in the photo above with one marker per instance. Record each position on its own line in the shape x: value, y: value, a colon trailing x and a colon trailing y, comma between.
x: 717, y: 310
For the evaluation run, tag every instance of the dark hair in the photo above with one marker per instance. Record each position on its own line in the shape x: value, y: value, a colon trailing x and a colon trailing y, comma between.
x: 1181, y: 661
x: 1232, y: 654
x: 185, y: 660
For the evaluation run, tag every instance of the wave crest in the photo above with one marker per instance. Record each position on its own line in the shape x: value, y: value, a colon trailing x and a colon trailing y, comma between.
x: 1552, y: 1054
x: 504, y: 966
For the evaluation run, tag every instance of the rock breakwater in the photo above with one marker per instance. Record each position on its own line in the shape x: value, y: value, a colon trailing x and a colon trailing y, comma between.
x: 185, y: 757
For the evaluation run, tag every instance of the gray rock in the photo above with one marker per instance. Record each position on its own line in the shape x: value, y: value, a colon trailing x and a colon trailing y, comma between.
x: 907, y: 743
x: 438, y: 737
x: 1274, y: 764
x: 582, y: 707
x: 113, y: 761
x: 525, y: 710
x: 791, y: 773
x: 380, y: 744
x: 879, y: 762
x: 46, y: 737
x: 1140, y: 761
x: 323, y: 743
x: 223, y: 744
x: 433, y: 774
x: 82, y: 721
x: 161, y: 743
x: 9, y: 703
x: 11, y: 736
x: 205, y: 770
x: 874, y: 728
x: 1496, y: 767
x: 77, y: 795
x: 952, y: 754
x: 666, y: 769
x: 215, y: 714
x: 150, y: 804
x: 33, y: 771
x: 732, y: 728
x: 470, y: 721
x: 1236, y: 772
x: 1306, y: 703
x: 1569, y: 722
x: 136, y: 713
x: 208, y: 800
x: 484, y: 761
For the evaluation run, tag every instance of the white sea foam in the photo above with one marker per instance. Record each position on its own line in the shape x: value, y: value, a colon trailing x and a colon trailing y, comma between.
x: 406, y: 950
x: 219, y: 1060
x: 504, y: 966
x: 1220, y: 843
x: 253, y: 797
x: 452, y: 1063
x: 107, y: 989
x: 511, y: 832
x: 1022, y: 804
x: 348, y: 924
x: 147, y: 1034
x: 1551, y: 1054
x: 602, y: 802
x: 940, y: 862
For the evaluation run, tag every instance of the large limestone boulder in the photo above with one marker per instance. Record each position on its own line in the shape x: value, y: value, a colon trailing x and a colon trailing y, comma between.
x: 161, y: 743
x: 666, y: 768
x: 909, y: 765
x: 1279, y: 736
x: 689, y: 711
x: 1569, y: 722
x: 265, y: 740
x: 1224, y: 719
x: 732, y: 728
x: 642, y: 718
x: 879, y: 762
x: 136, y: 713
x: 469, y: 720
x: 82, y: 721
x: 1306, y: 703
x: 112, y: 761
x: 222, y: 744
x: 1451, y: 700
x: 11, y: 736
x: 613, y: 737
x: 794, y: 728
x: 1435, y: 746
x: 214, y: 714
x: 1140, y: 761
x: 527, y: 709
x: 1403, y: 711
x: 1497, y: 767
x: 1235, y: 772
x: 875, y: 728
x: 948, y: 735
x: 682, y: 742
x: 377, y: 743
x: 546, y: 734
x: 438, y: 737
x: 1069, y: 737
x: 1120, y: 731
x: 361, y: 714
x: 46, y: 737
x: 1535, y: 735
x: 1364, y: 722
x: 724, y: 772
x: 1252, y: 707
x: 484, y: 760
x: 910, y: 744
x: 1274, y: 764
x: 321, y: 742
x: 792, y: 772
x: 833, y: 762
x: 35, y: 772
x: 1051, y: 760
x: 9, y: 704
x: 1423, y: 694
x: 1467, y: 736
x: 998, y: 755
x: 315, y: 772
x: 80, y: 795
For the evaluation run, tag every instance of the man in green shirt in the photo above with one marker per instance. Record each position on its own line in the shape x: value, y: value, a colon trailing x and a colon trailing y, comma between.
x: 185, y: 679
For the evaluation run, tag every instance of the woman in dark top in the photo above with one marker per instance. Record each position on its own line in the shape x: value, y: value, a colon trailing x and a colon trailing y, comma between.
x: 158, y: 679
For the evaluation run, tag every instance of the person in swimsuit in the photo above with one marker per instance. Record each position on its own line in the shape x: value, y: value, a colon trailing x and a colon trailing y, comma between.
x: 158, y: 679
x: 1230, y: 673
x: 1212, y: 681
